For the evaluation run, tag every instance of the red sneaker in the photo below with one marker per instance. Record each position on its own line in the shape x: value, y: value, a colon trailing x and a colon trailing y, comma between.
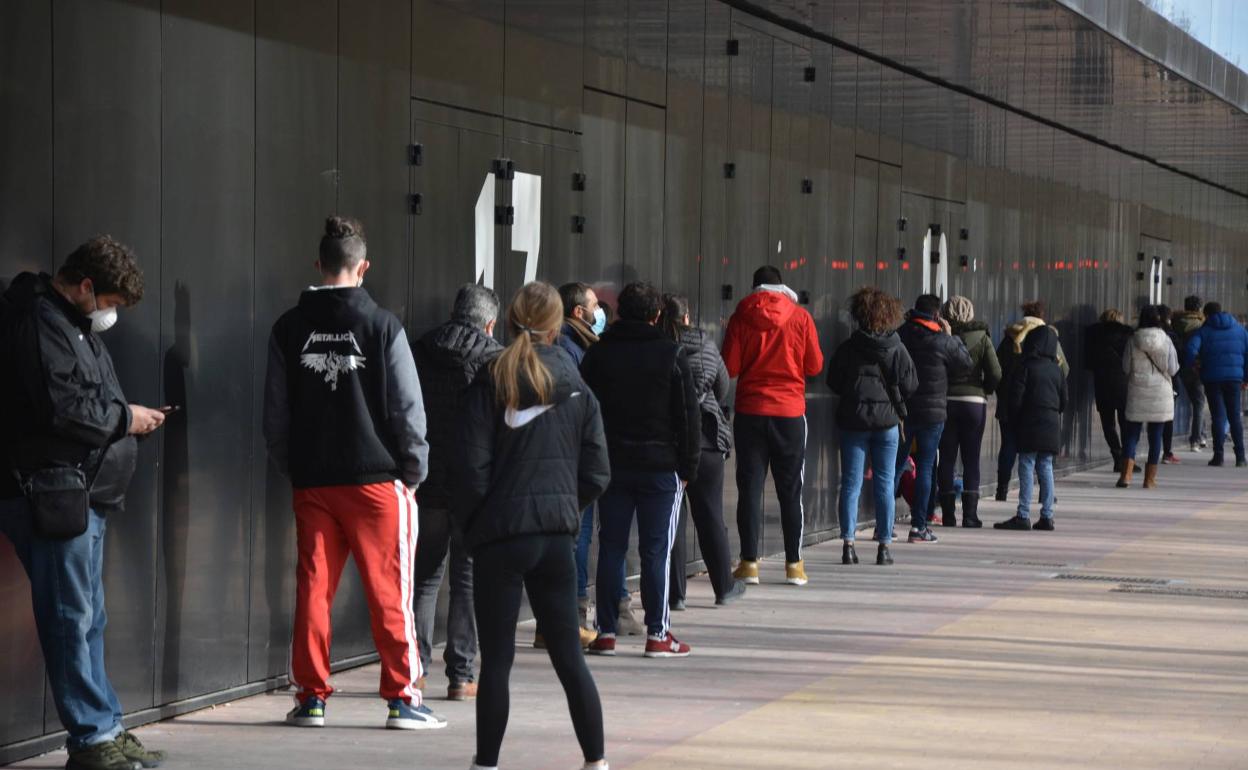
x: 603, y: 645
x: 1170, y: 459
x: 667, y: 647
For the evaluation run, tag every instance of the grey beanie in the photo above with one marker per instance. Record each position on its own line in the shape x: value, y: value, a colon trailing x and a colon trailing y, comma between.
x: 959, y: 310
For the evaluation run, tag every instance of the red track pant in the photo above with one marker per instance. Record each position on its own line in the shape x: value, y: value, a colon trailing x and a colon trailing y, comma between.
x: 375, y: 523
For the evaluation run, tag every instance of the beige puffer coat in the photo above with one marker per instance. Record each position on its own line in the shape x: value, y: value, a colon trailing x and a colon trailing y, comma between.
x: 1151, y: 362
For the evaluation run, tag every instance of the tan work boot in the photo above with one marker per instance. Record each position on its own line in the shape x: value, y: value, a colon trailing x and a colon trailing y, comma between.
x: 747, y: 572
x: 587, y: 637
x: 1124, y: 479
x: 582, y: 611
x: 627, y: 623
x: 795, y: 573
x: 1150, y: 475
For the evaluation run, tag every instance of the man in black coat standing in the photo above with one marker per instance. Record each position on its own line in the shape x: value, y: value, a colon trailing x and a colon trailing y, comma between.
x: 937, y: 355
x: 447, y: 360
x: 650, y: 411
x: 1105, y: 342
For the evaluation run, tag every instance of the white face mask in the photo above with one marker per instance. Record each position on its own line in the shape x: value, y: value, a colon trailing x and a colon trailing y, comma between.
x: 101, y: 320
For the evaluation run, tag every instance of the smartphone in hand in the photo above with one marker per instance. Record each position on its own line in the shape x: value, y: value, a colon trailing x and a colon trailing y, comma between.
x: 168, y: 410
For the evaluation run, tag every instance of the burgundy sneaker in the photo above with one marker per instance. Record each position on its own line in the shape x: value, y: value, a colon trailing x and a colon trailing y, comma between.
x: 603, y: 645
x: 667, y: 647
x: 1170, y: 459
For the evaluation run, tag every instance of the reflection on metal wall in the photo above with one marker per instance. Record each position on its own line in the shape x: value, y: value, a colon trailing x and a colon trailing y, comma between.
x: 682, y: 142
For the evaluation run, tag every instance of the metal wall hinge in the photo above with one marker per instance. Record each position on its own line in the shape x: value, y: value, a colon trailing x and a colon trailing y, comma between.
x: 578, y: 181
x: 503, y: 168
x: 505, y: 216
x: 730, y: 170
x: 809, y: 75
x: 808, y: 186
x: 578, y: 223
x: 415, y: 203
x: 901, y: 252
x: 415, y: 154
x: 734, y: 47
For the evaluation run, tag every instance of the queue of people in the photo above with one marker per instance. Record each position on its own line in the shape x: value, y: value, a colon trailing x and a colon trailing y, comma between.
x: 458, y: 455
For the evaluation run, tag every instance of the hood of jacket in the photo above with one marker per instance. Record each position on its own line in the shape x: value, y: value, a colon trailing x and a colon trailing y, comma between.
x: 1019, y: 330
x: 453, y: 344
x: 769, y: 307
x: 335, y: 301
x: 563, y: 374
x: 968, y: 327
x: 1188, y: 321
x: 1041, y: 343
x: 923, y: 321
x: 1221, y: 320
x: 1152, y: 340
x: 26, y: 287
x: 874, y: 347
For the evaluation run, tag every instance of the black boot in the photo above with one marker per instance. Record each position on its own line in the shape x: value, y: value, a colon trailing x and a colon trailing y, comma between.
x: 970, y: 510
x: 1002, y: 492
x: 848, y: 554
x: 948, y: 509
x: 882, y: 556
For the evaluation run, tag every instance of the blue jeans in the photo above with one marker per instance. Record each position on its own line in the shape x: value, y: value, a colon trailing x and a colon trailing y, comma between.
x: 928, y: 438
x: 583, y: 540
x: 1031, y: 464
x: 1131, y: 440
x: 855, y: 446
x: 67, y: 592
x: 654, y: 497
x: 1224, y: 406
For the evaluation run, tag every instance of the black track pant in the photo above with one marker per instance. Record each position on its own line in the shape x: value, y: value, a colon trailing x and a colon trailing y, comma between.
x: 706, y: 505
x: 545, y: 566
x: 778, y: 443
x: 1113, y: 425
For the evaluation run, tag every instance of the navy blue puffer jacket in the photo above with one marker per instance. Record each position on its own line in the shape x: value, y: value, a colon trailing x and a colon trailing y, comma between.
x: 1220, y: 349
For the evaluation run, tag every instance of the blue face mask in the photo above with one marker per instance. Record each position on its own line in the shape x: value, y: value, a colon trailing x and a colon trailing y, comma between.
x: 600, y: 321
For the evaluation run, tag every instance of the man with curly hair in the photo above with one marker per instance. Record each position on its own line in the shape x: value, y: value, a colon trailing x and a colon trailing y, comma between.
x: 69, y: 440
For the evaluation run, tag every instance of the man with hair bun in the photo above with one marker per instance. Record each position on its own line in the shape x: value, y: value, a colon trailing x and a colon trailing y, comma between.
x: 344, y: 419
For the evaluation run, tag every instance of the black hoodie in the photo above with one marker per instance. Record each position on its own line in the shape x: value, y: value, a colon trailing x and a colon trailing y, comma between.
x: 861, y: 369
x: 533, y: 470
x: 1036, y: 394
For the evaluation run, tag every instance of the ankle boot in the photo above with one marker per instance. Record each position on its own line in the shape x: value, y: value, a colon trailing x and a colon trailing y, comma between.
x: 848, y: 554
x: 1124, y: 478
x: 1150, y: 475
x: 948, y: 509
x: 582, y: 611
x: 1002, y: 493
x: 628, y: 624
x: 970, y: 510
x: 882, y: 556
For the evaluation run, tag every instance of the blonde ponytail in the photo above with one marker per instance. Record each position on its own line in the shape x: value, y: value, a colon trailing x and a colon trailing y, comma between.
x: 535, y: 315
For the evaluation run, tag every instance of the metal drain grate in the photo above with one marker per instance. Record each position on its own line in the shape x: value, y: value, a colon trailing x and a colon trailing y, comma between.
x: 1143, y: 581
x: 1048, y: 564
x: 1203, y: 593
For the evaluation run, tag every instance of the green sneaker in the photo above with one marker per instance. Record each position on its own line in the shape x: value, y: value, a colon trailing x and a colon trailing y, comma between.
x: 134, y: 750
x: 100, y: 756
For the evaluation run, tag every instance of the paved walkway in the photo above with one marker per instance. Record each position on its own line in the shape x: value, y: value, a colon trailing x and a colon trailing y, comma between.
x: 966, y: 654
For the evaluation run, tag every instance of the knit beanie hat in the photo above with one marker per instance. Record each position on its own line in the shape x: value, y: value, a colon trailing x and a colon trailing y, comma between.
x: 959, y: 310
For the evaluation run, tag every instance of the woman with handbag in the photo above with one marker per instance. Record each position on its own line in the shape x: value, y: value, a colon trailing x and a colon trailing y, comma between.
x: 873, y: 375
x: 1150, y: 362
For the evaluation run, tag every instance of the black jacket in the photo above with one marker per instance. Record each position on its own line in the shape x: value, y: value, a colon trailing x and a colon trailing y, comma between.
x: 649, y: 407
x: 860, y: 372
x: 342, y: 402
x: 710, y: 383
x: 63, y: 404
x: 1103, y: 346
x: 447, y: 359
x: 1036, y: 393
x: 937, y: 357
x: 531, y: 471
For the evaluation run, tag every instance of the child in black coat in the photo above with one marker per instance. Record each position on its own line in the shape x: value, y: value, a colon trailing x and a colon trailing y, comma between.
x: 1035, y: 397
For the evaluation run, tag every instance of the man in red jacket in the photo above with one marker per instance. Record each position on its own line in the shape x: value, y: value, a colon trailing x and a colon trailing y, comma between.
x: 771, y: 347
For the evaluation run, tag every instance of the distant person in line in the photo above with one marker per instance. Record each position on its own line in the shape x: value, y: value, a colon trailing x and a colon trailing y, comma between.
x: 66, y: 425
x: 706, y: 493
x: 584, y: 321
x: 1035, y: 396
x: 1104, y: 344
x: 938, y: 358
x: 532, y: 456
x: 344, y: 419
x: 1168, y: 457
x: 872, y: 375
x: 1185, y: 324
x: 771, y: 346
x: 447, y: 359
x: 967, y: 413
x: 653, y: 423
x: 1009, y: 353
x: 1150, y: 362
x: 1219, y: 349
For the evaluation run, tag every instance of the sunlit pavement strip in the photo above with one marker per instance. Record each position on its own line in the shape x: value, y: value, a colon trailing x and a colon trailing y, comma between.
x: 951, y: 658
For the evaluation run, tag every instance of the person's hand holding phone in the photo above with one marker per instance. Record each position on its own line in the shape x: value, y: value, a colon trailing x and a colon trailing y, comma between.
x: 144, y: 420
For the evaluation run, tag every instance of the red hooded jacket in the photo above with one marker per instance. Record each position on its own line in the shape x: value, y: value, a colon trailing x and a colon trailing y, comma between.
x: 771, y: 346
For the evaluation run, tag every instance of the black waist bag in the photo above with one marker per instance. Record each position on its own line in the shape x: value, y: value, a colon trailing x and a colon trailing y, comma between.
x: 59, y: 501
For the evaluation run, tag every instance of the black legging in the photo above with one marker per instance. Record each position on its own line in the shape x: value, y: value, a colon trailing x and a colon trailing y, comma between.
x: 545, y: 566
x: 964, y: 434
x: 706, y: 504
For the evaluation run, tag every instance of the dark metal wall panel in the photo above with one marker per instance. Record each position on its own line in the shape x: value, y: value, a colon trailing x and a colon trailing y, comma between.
x: 296, y: 188
x: 683, y: 151
x: 606, y: 45
x: 713, y: 308
x: 207, y: 251
x: 647, y: 50
x: 643, y: 197
x: 542, y: 36
x: 457, y: 49
x: 603, y: 242
x: 25, y: 244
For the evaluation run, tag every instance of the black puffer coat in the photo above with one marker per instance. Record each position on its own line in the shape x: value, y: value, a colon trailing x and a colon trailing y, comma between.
x: 1036, y: 393
x: 1104, y: 344
x: 937, y: 357
x: 531, y: 471
x: 710, y: 383
x: 447, y: 360
x: 860, y: 370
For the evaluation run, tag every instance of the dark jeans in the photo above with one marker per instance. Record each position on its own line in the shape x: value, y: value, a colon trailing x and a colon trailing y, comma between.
x: 1224, y: 406
x: 1131, y: 439
x: 1113, y: 419
x: 544, y: 566
x: 436, y: 538
x: 583, y: 542
x: 1195, y: 391
x: 1006, y: 456
x: 778, y: 443
x: 67, y: 594
x: 928, y: 439
x: 964, y: 434
x: 654, y: 497
x: 706, y: 505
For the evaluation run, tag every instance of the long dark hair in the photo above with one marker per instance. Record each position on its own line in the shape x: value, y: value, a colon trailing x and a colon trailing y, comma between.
x: 675, y: 308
